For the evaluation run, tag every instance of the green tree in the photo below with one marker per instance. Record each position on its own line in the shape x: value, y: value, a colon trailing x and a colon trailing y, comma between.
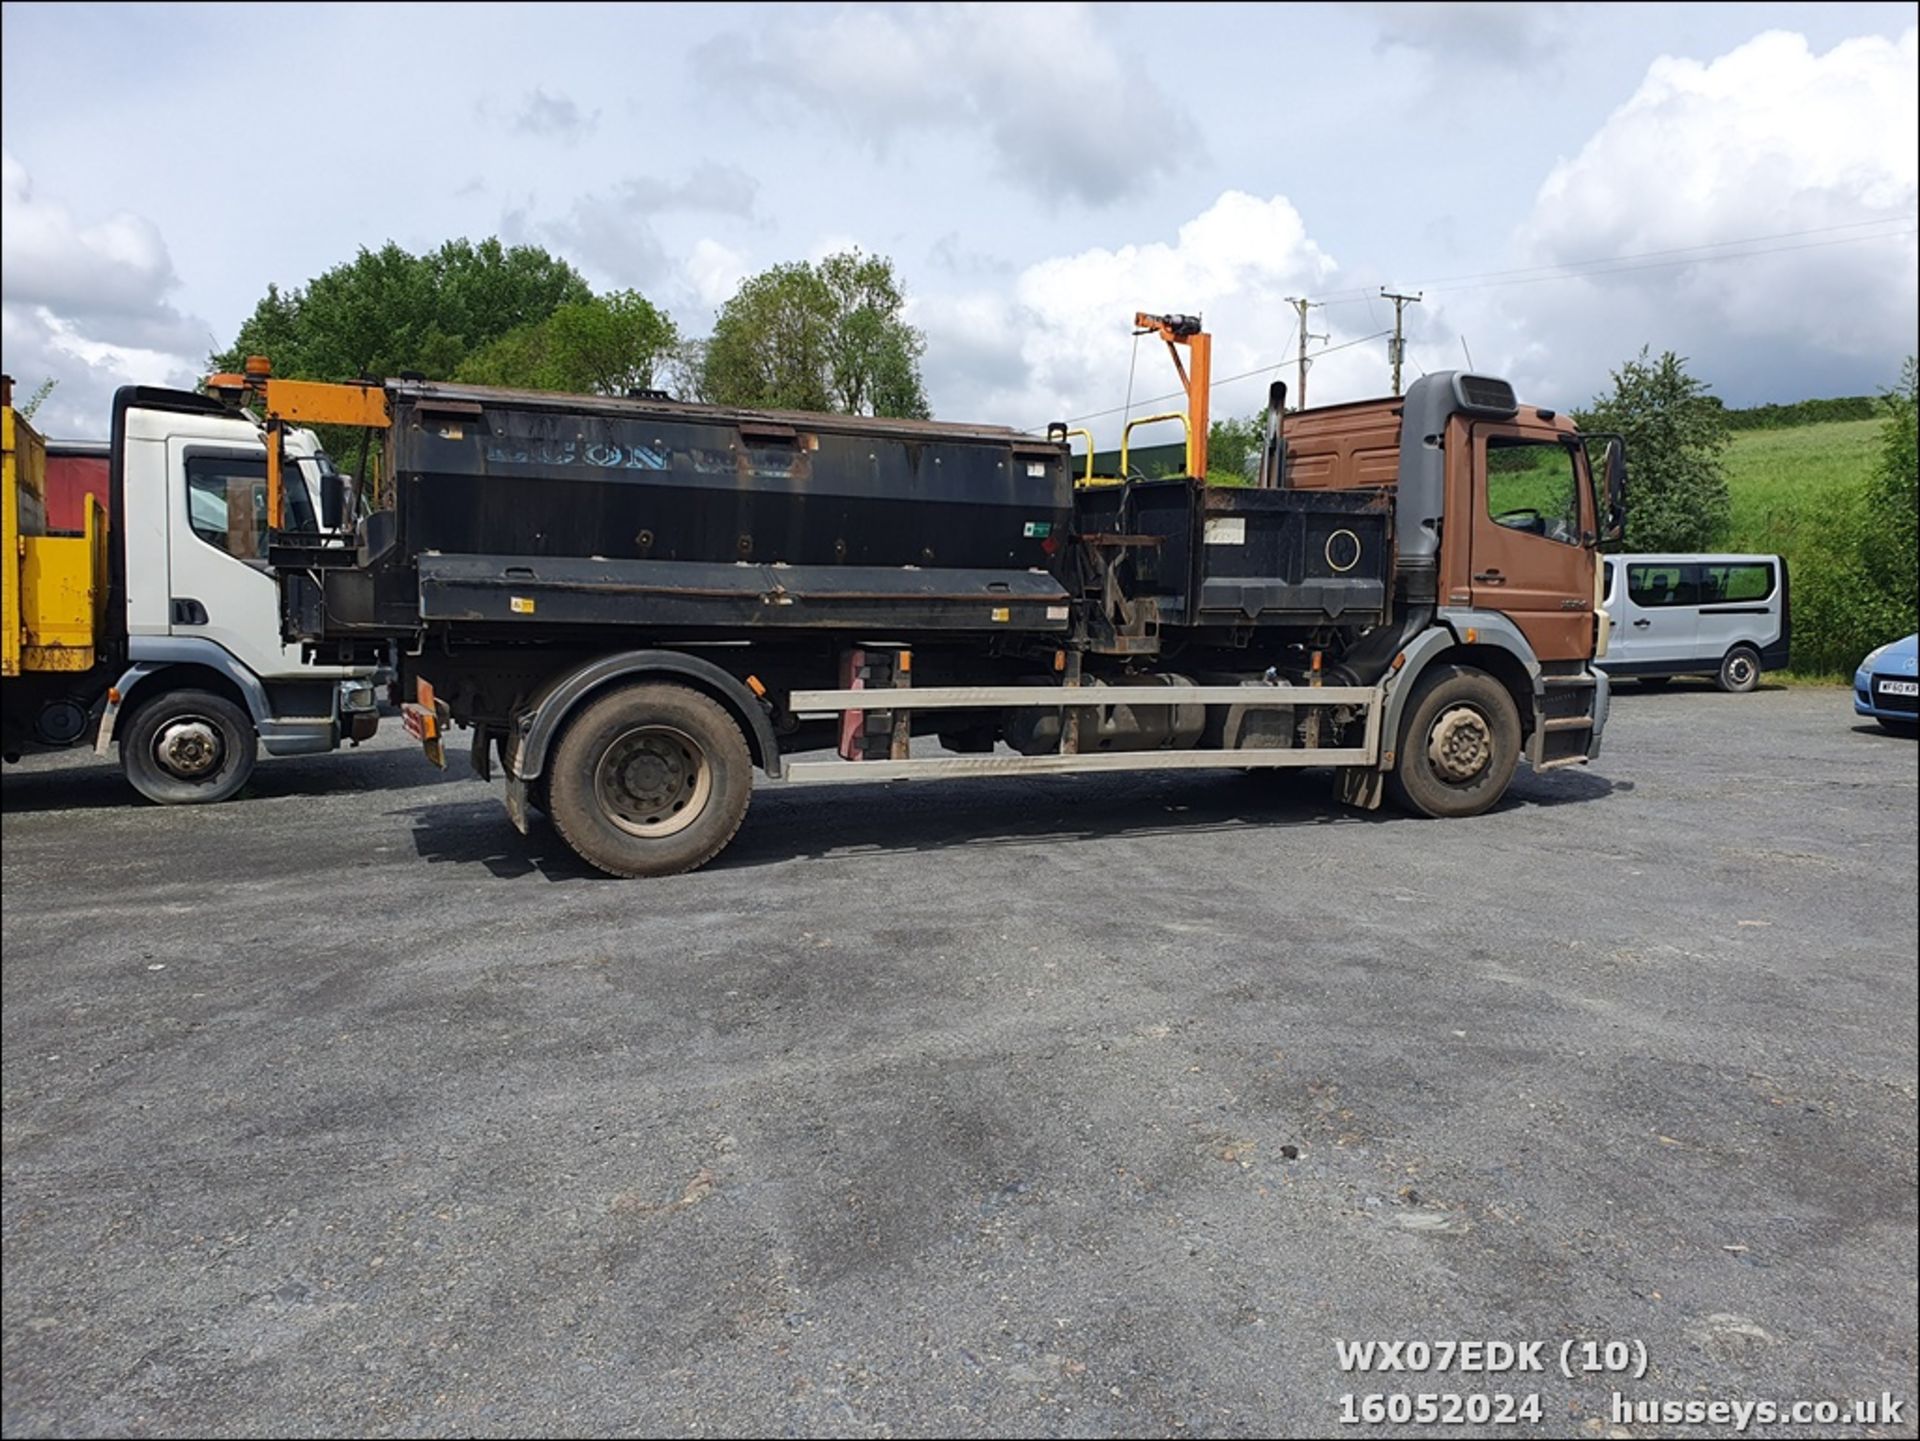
x: 817, y: 337
x: 1890, y: 545
x: 606, y: 344
x: 387, y: 311
x: 1233, y: 449
x: 1676, y: 435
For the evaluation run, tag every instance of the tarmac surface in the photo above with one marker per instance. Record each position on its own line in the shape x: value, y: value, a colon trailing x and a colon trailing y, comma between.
x: 1075, y: 1106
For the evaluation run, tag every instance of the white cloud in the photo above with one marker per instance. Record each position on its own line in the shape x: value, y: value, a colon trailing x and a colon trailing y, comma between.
x: 1062, y: 110
x: 613, y: 233
x: 1060, y: 344
x: 86, y: 304
x: 714, y: 272
x: 1770, y: 139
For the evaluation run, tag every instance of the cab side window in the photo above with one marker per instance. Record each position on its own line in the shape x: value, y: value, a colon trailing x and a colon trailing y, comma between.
x: 227, y: 503
x: 1658, y: 585
x: 1533, y: 486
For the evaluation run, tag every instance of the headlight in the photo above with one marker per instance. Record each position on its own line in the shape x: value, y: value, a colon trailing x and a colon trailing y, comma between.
x: 1874, y: 655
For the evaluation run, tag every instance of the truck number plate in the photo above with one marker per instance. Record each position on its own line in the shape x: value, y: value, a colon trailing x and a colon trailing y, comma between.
x: 1899, y: 687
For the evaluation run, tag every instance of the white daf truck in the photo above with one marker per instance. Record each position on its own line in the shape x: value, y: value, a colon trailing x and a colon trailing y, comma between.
x: 156, y: 625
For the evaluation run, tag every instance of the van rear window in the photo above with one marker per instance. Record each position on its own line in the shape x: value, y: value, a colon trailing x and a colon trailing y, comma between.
x: 1720, y: 584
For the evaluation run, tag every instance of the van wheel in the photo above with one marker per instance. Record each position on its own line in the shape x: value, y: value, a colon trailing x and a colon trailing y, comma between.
x: 189, y: 746
x: 1740, y: 671
x: 1459, y: 743
x: 649, y: 780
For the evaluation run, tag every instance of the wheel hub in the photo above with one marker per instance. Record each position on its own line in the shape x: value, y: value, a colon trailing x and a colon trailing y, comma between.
x: 1460, y: 745
x: 189, y: 747
x: 653, y: 781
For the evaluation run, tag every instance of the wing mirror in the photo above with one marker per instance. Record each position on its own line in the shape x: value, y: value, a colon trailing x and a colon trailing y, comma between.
x: 1614, y: 467
x: 335, y: 491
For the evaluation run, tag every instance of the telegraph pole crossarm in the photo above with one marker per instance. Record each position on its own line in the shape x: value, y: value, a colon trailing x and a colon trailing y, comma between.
x: 1397, y: 347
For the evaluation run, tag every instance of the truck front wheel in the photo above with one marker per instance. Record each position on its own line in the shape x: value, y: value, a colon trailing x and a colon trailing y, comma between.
x: 1459, y: 744
x: 188, y: 746
x: 649, y: 780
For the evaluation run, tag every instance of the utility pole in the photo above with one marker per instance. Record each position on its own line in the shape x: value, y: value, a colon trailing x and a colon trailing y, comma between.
x: 1397, y: 347
x: 1303, y: 306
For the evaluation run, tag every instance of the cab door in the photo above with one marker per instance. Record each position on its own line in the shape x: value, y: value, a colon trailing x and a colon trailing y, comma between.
x: 1532, y: 531
x: 220, y: 586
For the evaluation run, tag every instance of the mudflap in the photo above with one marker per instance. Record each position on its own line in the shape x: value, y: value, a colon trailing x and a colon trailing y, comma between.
x: 510, y: 741
x: 516, y: 799
x: 1362, y: 787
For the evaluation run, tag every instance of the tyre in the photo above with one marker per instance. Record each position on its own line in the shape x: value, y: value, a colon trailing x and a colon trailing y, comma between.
x: 1907, y: 728
x: 1459, y: 743
x: 189, y: 746
x: 649, y: 780
x: 1654, y: 682
x: 1739, y: 671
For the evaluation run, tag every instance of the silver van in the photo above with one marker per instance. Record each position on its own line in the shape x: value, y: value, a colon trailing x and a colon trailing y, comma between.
x: 1724, y: 616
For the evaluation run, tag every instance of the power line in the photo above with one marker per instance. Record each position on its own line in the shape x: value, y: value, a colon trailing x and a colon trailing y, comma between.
x: 1224, y: 380
x: 1568, y: 269
x: 1532, y: 275
x: 1688, y: 260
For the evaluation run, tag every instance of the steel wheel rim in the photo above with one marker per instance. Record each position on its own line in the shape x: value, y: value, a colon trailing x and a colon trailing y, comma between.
x: 653, y: 781
x: 1460, y: 745
x: 1740, y: 670
x: 190, y: 748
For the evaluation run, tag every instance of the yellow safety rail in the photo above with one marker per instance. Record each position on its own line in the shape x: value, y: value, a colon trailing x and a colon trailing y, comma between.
x: 1087, y: 436
x: 1126, y: 436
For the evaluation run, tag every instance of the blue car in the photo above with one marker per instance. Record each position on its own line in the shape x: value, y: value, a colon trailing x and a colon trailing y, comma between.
x: 1886, y: 687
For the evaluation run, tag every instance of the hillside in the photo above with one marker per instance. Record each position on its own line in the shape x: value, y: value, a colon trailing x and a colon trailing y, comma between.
x: 1794, y: 491
x: 1781, y: 480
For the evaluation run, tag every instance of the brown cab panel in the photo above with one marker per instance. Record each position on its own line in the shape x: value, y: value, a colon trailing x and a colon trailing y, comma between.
x: 1530, y: 524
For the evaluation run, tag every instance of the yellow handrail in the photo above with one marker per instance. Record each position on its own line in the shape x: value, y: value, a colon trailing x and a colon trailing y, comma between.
x: 1087, y: 435
x: 1126, y: 437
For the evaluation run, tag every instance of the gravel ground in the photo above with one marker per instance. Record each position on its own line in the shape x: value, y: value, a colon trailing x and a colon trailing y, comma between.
x: 1068, y: 1107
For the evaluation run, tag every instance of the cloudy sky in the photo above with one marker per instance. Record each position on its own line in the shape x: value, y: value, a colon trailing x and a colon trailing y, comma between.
x: 1565, y: 182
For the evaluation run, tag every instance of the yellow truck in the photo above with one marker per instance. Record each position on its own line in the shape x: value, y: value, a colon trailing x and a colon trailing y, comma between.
x: 153, y: 625
x: 55, y: 586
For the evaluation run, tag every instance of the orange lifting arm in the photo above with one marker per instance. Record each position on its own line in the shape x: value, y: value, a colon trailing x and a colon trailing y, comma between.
x: 301, y: 402
x: 1179, y: 330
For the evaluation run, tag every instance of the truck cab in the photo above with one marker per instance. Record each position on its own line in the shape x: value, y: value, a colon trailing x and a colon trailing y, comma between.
x: 165, y: 580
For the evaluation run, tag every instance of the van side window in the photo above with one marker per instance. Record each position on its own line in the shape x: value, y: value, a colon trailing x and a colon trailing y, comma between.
x: 1655, y: 585
x: 1532, y: 486
x: 1724, y: 584
x: 1606, y: 586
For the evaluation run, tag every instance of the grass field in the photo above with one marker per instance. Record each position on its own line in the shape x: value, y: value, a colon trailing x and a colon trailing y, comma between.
x: 1784, y: 481
x: 1795, y: 493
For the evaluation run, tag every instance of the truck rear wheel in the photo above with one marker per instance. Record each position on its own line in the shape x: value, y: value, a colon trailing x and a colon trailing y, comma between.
x: 188, y: 746
x: 1459, y: 744
x: 649, y: 780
